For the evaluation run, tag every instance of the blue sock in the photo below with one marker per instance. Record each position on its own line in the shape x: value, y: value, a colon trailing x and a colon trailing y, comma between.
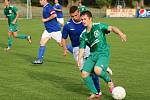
x: 96, y: 81
x: 41, y: 52
x: 69, y: 48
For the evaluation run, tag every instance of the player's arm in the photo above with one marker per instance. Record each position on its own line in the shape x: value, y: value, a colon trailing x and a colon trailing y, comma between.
x: 64, y: 43
x: 80, y: 56
x: 5, y: 17
x: 58, y: 8
x: 81, y: 50
x: 64, y: 38
x: 15, y: 11
x: 118, y: 32
x: 15, y: 20
x: 52, y: 16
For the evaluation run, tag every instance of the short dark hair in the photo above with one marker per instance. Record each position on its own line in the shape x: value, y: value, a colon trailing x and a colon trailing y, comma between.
x: 73, y: 9
x: 87, y: 12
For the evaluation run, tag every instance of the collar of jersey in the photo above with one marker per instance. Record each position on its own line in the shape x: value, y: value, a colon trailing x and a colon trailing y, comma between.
x: 45, y: 5
x: 76, y: 22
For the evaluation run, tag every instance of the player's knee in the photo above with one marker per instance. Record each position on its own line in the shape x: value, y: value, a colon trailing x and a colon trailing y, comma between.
x: 84, y: 74
x: 15, y: 35
x: 42, y: 43
x: 97, y: 70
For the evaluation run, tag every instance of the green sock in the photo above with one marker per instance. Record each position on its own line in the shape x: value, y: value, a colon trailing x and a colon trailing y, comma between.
x: 89, y: 83
x: 105, y: 76
x: 10, y: 41
x: 21, y: 36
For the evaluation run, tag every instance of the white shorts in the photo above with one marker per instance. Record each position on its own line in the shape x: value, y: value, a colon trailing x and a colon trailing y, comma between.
x: 76, y: 53
x: 55, y: 35
x: 60, y: 20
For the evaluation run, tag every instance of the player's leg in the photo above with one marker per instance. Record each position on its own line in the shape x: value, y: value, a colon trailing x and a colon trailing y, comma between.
x: 104, y: 75
x: 23, y: 36
x: 20, y: 36
x: 90, y: 84
x: 87, y: 69
x: 57, y: 36
x: 95, y: 78
x: 101, y: 67
x: 10, y: 38
x: 9, y: 41
x: 96, y: 81
x: 69, y: 48
x: 44, y: 39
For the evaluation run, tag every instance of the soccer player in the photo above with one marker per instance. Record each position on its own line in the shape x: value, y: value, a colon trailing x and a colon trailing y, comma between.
x: 74, y: 28
x: 97, y: 62
x: 58, y: 9
x: 81, y: 9
x: 52, y: 29
x: 11, y: 13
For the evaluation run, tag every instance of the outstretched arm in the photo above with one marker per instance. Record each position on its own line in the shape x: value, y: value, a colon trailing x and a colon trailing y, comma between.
x: 117, y: 31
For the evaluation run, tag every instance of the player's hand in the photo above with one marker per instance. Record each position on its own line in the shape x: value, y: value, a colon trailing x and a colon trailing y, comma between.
x: 79, y: 63
x: 123, y: 37
x: 14, y: 22
x: 44, y: 20
x: 65, y: 52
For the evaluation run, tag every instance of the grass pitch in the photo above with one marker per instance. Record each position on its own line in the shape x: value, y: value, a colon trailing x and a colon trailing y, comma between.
x: 59, y: 79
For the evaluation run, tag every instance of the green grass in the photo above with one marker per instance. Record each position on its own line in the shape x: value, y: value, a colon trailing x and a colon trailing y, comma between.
x: 59, y: 79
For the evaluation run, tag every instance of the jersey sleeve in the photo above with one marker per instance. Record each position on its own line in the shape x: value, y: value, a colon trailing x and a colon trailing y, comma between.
x: 59, y: 7
x: 65, y: 31
x: 55, y: 6
x: 51, y: 10
x: 15, y: 9
x: 103, y: 26
x: 82, y: 41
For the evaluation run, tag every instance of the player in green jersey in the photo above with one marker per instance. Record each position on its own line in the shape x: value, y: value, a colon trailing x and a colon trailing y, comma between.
x: 11, y: 13
x: 94, y: 36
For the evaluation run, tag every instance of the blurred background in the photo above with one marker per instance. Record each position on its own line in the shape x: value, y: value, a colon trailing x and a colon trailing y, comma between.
x: 100, y: 8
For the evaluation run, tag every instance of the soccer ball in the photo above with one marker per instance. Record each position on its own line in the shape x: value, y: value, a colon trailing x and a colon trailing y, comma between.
x: 118, y: 93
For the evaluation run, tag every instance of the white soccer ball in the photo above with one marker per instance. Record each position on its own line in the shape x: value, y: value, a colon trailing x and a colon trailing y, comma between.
x: 118, y: 93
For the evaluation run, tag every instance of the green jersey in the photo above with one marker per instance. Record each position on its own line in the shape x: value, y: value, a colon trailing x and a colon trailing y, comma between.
x: 96, y: 38
x: 82, y: 8
x: 10, y: 12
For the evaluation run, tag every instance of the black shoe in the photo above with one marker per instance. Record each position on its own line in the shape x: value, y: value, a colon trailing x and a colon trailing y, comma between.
x: 37, y: 62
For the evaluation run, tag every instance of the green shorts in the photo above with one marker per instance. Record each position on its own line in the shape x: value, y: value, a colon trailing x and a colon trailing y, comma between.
x: 12, y: 27
x: 99, y: 59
